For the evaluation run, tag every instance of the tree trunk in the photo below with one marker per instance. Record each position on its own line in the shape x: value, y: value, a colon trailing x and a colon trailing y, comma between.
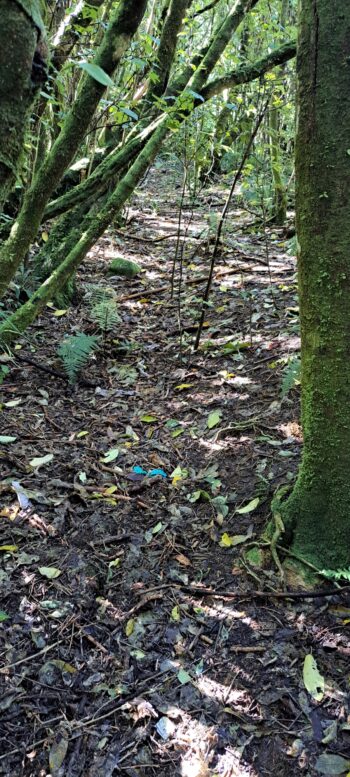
x: 20, y: 74
x: 318, y: 511
x: 280, y: 196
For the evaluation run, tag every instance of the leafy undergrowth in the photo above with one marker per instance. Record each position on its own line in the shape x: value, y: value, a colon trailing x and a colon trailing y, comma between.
x: 133, y: 641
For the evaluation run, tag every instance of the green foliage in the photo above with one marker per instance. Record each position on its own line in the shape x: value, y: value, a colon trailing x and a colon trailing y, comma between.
x: 292, y: 246
x: 4, y: 371
x: 336, y: 574
x: 97, y: 73
x: 105, y: 315
x: 291, y: 375
x: 74, y: 352
x: 96, y: 294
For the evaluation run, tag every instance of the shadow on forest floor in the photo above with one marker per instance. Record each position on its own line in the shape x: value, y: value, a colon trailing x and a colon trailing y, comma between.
x: 120, y: 664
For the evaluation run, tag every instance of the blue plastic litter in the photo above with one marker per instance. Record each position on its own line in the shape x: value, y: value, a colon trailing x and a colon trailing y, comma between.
x: 151, y: 473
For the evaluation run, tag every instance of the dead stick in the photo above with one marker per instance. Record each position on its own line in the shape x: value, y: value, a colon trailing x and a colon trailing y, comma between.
x: 264, y: 594
x: 50, y: 370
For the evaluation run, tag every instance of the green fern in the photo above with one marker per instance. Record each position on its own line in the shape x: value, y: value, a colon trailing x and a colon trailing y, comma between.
x: 96, y: 294
x: 291, y: 375
x: 105, y: 314
x: 292, y: 246
x: 74, y: 352
x: 336, y: 574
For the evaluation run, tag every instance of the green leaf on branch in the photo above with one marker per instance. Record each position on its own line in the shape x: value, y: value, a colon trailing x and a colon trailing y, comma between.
x: 96, y: 72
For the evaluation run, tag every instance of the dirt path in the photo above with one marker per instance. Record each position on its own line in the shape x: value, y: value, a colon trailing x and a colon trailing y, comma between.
x: 158, y: 482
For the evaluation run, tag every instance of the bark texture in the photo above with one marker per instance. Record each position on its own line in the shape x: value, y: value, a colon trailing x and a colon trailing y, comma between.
x: 19, y: 37
x: 318, y: 511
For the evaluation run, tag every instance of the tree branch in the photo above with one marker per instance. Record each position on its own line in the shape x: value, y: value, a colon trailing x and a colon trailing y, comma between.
x: 246, y: 73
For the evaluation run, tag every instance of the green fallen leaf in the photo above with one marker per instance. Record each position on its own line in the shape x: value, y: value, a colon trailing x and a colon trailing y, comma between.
x: 111, y: 455
x: 41, y: 460
x: 229, y: 540
x: 214, y: 419
x: 249, y: 507
x: 175, y: 613
x: 129, y: 628
x: 313, y: 680
x: 9, y: 548
x: 58, y: 751
x: 183, y: 677
x: 148, y: 419
x: 150, y: 533
x: 50, y: 572
x: 329, y: 763
x: 226, y: 541
x: 177, y: 432
x: 3, y: 616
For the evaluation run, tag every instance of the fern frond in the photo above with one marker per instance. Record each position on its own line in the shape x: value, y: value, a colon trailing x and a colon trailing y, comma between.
x: 105, y: 314
x: 291, y: 375
x: 96, y: 294
x: 336, y: 574
x: 74, y: 352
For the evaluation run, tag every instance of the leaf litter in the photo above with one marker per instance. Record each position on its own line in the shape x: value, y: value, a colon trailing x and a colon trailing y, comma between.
x: 132, y: 640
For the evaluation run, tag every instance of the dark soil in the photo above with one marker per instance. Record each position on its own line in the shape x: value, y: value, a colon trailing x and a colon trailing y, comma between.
x: 151, y: 653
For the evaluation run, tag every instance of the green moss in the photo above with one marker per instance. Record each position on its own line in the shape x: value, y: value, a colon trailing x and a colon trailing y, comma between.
x: 123, y: 267
x: 255, y: 557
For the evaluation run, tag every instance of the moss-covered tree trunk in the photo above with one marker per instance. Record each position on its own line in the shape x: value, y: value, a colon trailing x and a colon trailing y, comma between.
x: 280, y: 194
x: 318, y: 510
x: 22, y: 68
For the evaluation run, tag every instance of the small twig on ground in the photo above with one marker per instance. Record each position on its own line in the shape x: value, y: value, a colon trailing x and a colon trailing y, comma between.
x: 4, y: 669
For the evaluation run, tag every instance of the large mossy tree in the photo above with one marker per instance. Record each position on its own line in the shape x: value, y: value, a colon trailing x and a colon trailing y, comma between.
x: 317, y: 513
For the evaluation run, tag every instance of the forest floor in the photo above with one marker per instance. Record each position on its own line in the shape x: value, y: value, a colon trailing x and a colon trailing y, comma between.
x: 133, y: 637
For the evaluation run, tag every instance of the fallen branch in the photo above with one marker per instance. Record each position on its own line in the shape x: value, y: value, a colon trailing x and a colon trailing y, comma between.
x: 51, y: 370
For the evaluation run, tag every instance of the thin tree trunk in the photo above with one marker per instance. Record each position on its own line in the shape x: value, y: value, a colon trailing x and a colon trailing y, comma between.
x: 280, y: 195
